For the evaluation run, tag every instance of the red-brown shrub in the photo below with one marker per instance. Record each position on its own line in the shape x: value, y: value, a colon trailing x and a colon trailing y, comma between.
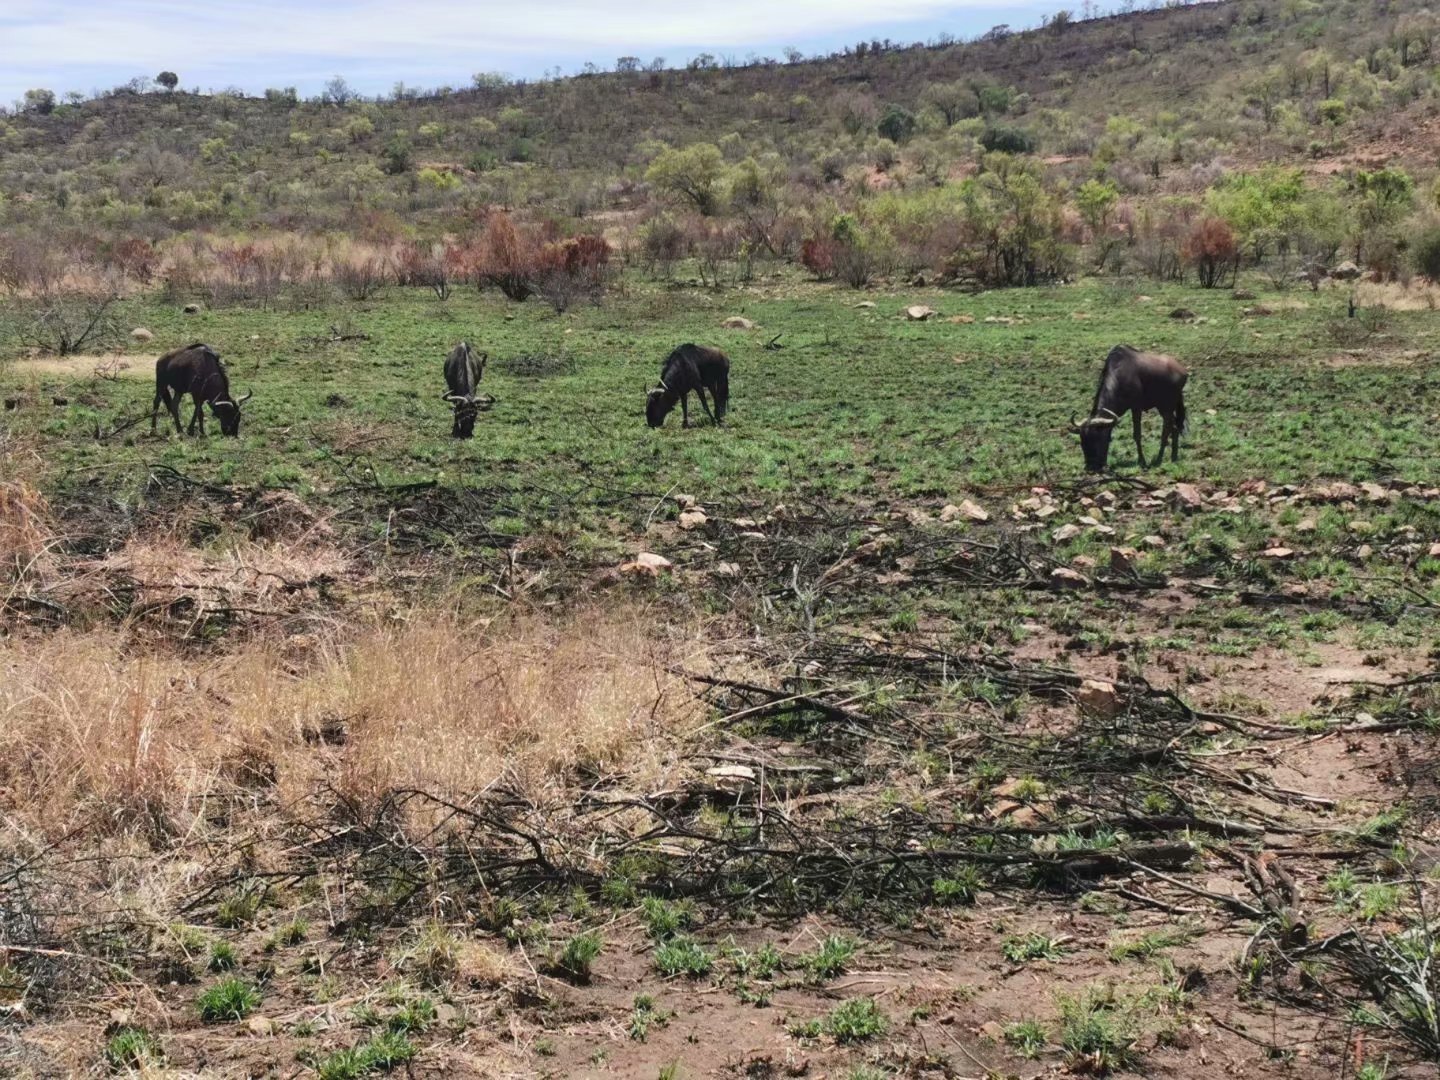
x: 1211, y: 249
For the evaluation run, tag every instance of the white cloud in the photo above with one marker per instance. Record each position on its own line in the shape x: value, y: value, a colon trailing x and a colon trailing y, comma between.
x: 42, y: 44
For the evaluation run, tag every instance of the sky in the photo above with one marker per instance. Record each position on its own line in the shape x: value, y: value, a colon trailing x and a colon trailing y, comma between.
x: 91, y: 45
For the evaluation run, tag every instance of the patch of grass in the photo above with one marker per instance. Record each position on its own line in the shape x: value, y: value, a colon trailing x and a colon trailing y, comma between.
x: 1149, y: 944
x: 239, y: 908
x: 645, y: 1015
x: 578, y: 955
x: 960, y: 887
x: 683, y: 956
x: 228, y: 999
x: 763, y: 963
x: 1028, y: 1038
x: 291, y: 934
x: 830, y: 959
x: 222, y: 956
x: 384, y: 1051
x: 132, y: 1049
x: 1377, y: 900
x: 855, y: 1020
x: 1098, y: 1034
x: 664, y: 919
x: 413, y: 1016
x: 1022, y: 949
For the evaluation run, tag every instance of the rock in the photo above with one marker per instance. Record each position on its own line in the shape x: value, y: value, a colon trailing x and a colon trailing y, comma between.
x: 685, y: 502
x: 744, y: 523
x: 1364, y: 551
x: 1435, y: 551
x: 646, y: 564
x: 1242, y: 294
x: 1188, y: 496
x: 1361, y: 528
x: 1098, y: 698
x: 1253, y: 487
x: 141, y: 334
x: 962, y: 320
x: 1183, y: 314
x: 738, y: 322
x: 728, y: 569
x: 692, y: 519
x: 1306, y: 525
x: 192, y: 309
x: 1153, y: 541
x: 1103, y: 530
x: 1346, y: 271
x: 750, y: 535
x: 1123, y: 560
x: 919, y: 312
x: 262, y: 1026
x: 1259, y: 311
x: 1047, y: 511
x: 1083, y: 562
x: 1065, y: 532
x: 970, y: 511
x: 1088, y: 520
x: 1062, y: 577
x: 1375, y: 493
x: 781, y: 512
x: 731, y: 772
x: 1143, y: 299
x: 866, y: 304
x: 1278, y: 553
x: 59, y: 401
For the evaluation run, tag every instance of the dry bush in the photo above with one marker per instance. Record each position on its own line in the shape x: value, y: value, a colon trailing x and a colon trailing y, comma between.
x: 27, y: 537
x: 96, y: 732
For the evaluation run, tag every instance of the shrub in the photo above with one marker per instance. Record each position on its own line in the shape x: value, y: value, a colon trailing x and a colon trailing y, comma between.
x: 683, y: 956
x: 897, y: 125
x: 855, y: 1020
x: 817, y: 254
x: 1211, y: 249
x: 1007, y: 140
x: 1426, y: 253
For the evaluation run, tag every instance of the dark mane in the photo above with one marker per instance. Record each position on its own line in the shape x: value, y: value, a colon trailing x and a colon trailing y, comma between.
x: 1107, y: 373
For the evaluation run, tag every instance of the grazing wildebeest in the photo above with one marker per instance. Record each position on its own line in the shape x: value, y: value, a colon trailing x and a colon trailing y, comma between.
x: 196, y: 370
x: 463, y: 372
x: 1134, y: 381
x: 690, y: 367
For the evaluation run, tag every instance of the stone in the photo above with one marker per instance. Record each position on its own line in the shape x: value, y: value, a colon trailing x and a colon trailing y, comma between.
x: 1361, y: 528
x: 962, y: 320
x: 192, y: 309
x: 1188, y: 496
x: 1183, y: 314
x: 262, y: 1026
x: 646, y: 564
x: 1063, y: 577
x: 141, y: 334
x: 970, y: 511
x: 1123, y: 560
x: 1242, y: 294
x: 919, y: 312
x: 1364, y: 551
x: 1278, y: 553
x: 738, y: 322
x: 728, y: 569
x: 1083, y: 562
x: 1065, y: 532
x: 731, y: 772
x: 866, y: 304
x: 692, y: 519
x: 1098, y: 698
x: 1375, y: 493
x: 1153, y: 541
x: 1307, y: 525
x: 1346, y: 271
x: 685, y: 502
x: 1435, y: 551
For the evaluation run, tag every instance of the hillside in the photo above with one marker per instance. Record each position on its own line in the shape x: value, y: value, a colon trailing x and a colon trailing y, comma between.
x: 1162, y: 106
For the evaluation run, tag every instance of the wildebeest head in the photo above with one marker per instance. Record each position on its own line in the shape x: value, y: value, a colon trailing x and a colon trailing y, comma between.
x: 658, y: 403
x: 466, y: 409
x: 1095, y: 432
x: 227, y: 411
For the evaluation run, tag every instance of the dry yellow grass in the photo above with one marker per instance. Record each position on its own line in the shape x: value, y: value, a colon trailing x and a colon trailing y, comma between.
x: 94, y: 731
x: 87, y: 365
x: 1419, y: 295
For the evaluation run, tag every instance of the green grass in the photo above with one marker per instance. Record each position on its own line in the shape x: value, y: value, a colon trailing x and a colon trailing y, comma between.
x: 855, y: 1020
x: 577, y: 956
x: 228, y: 999
x: 1098, y: 1033
x: 1022, y: 949
x: 132, y: 1049
x: 223, y: 956
x: 831, y: 958
x: 664, y: 919
x: 683, y: 956
x: 1027, y: 1037
x: 382, y: 1052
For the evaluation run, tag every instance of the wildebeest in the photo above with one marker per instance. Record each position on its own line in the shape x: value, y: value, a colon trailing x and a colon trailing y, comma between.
x: 196, y: 370
x: 1134, y: 382
x: 463, y: 372
x: 690, y: 367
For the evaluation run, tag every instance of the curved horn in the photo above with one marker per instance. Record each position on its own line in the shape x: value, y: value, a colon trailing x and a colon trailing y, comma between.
x: 1104, y: 421
x: 248, y: 395
x: 452, y: 398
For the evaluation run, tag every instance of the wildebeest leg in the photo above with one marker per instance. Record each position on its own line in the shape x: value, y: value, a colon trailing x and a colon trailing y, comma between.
x: 700, y: 393
x: 172, y: 403
x: 199, y: 417
x: 722, y: 398
x: 1167, y: 433
x: 161, y: 394
x: 685, y: 409
x: 1139, y: 446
